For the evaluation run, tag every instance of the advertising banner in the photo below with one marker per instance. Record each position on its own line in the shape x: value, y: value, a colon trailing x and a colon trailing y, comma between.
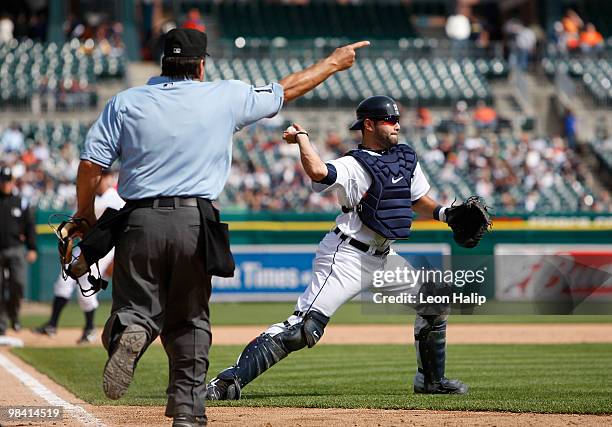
x: 553, y: 272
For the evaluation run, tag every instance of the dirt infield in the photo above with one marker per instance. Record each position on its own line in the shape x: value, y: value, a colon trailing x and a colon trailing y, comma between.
x: 389, y: 334
x: 15, y: 392
x: 363, y: 417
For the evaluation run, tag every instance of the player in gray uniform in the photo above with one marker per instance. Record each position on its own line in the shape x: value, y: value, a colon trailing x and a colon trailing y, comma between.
x: 379, y: 185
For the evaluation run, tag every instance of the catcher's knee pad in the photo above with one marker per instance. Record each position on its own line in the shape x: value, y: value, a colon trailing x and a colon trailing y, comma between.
x: 424, y: 324
x: 305, y: 333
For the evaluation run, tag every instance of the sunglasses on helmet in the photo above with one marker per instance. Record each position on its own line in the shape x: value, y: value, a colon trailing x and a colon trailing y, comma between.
x: 389, y: 120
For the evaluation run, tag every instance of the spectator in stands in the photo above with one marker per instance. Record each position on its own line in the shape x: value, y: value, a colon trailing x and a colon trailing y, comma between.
x: 21, y: 26
x: 38, y: 27
x: 521, y: 42
x: 525, y: 46
x: 334, y: 145
x: 12, y: 140
x: 424, y: 120
x: 485, y: 117
x: 591, y: 40
x: 6, y: 29
x: 559, y: 37
x: 479, y: 32
x: 569, y: 128
x: 28, y: 158
x: 461, y: 118
x: 458, y: 29
x: 41, y: 151
x: 531, y: 201
x: 194, y: 20
x: 572, y: 24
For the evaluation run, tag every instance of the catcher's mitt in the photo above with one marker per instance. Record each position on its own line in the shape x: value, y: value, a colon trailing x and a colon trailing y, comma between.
x: 469, y: 221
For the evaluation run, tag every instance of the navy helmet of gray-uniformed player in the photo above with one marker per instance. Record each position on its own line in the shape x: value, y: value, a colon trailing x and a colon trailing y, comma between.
x: 173, y: 139
x: 379, y: 186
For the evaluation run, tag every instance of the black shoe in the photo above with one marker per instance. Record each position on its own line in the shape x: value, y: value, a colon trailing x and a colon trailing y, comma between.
x: 89, y: 336
x: 443, y: 386
x: 45, y: 329
x: 218, y: 389
x: 119, y: 369
x: 16, y: 325
x: 186, y: 420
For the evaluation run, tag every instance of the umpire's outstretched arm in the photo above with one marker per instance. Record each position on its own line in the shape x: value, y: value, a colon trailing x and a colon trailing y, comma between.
x: 297, y: 84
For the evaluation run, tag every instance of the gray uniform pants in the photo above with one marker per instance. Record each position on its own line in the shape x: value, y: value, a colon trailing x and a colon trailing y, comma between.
x: 160, y: 283
x: 12, y: 284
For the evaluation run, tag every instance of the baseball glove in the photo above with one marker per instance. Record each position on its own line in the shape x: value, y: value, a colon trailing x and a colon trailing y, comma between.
x: 469, y: 221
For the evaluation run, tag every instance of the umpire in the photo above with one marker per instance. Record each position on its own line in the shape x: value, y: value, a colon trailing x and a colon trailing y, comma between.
x: 16, y: 227
x: 173, y: 139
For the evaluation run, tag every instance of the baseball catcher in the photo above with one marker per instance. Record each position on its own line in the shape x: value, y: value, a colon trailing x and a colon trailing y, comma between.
x: 380, y: 186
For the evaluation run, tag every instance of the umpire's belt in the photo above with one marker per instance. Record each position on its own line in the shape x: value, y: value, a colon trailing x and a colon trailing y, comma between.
x: 163, y: 202
x: 363, y: 247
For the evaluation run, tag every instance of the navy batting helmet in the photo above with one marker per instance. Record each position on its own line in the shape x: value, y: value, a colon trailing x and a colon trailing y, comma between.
x: 375, y: 107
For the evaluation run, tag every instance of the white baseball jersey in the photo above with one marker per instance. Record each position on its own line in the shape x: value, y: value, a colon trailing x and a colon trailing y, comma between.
x: 341, y: 271
x: 64, y: 288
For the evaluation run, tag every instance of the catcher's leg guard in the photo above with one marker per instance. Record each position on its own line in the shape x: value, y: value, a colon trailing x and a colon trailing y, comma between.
x: 430, y: 343
x: 264, y: 352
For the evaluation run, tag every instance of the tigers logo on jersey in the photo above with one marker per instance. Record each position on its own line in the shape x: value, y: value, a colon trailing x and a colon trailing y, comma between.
x: 16, y: 212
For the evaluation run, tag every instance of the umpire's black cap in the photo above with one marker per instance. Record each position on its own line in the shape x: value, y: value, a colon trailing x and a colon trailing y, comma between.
x: 374, y: 107
x: 185, y: 42
x: 6, y: 174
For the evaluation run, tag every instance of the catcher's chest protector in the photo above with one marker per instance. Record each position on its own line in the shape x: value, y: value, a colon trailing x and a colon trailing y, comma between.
x: 386, y: 207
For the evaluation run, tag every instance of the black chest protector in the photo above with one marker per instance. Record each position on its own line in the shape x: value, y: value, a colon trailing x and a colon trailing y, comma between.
x: 386, y: 208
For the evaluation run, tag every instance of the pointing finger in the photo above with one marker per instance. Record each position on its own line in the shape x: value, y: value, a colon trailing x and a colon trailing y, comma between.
x: 359, y: 45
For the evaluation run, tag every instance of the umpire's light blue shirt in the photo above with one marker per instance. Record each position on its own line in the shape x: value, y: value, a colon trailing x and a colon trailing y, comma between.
x: 174, y: 137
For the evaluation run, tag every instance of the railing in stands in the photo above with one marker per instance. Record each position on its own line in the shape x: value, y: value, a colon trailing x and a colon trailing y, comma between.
x: 518, y: 79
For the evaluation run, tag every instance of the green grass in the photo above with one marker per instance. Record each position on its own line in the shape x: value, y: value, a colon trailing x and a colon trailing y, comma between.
x: 517, y: 378
x: 271, y: 312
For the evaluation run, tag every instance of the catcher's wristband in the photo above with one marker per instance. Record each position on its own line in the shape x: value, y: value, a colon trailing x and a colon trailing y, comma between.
x: 439, y: 213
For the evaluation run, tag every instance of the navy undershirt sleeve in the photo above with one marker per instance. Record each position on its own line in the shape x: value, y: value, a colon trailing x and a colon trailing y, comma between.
x: 331, y: 175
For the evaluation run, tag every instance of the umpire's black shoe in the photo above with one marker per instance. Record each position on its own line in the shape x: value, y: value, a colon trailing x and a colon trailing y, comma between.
x: 218, y: 389
x: 186, y: 420
x: 443, y: 386
x: 119, y: 369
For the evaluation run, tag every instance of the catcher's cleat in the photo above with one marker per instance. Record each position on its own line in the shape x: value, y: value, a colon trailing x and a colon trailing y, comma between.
x: 45, y: 329
x: 119, y: 369
x: 218, y: 389
x: 442, y: 386
x: 89, y: 336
